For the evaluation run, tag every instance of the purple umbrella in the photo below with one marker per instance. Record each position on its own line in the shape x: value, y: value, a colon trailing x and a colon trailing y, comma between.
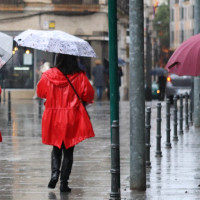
x: 186, y: 58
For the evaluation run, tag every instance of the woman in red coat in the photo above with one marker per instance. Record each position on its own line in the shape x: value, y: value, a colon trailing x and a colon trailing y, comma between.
x: 65, y: 121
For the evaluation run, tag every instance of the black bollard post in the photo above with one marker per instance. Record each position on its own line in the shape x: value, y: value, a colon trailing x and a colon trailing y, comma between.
x: 168, y: 130
x: 158, y: 141
x: 175, y: 138
x: 115, y: 162
x: 191, y: 112
x: 4, y: 91
x: 181, y: 115
x: 9, y: 108
x: 148, y: 128
x: 40, y: 108
x: 186, y: 112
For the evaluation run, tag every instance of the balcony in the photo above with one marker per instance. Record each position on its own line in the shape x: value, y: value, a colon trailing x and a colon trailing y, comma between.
x: 75, y: 2
x: 68, y: 6
x: 15, y: 2
x: 78, y: 6
x: 12, y: 5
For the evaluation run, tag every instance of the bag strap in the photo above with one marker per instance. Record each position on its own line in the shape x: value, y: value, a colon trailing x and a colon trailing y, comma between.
x: 74, y: 90
x: 77, y: 95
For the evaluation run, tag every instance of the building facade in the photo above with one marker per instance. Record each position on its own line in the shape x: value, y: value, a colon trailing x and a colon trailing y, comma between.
x: 181, y: 21
x: 78, y: 18
x: 87, y: 19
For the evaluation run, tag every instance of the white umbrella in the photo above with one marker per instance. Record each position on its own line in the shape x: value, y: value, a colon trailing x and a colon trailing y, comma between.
x: 55, y: 41
x: 6, y: 46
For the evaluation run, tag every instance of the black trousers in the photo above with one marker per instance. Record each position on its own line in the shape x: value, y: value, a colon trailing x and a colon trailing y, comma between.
x: 62, y: 158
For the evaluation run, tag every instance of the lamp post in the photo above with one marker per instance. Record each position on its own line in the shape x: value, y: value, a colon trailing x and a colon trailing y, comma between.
x: 114, y: 100
x: 137, y: 97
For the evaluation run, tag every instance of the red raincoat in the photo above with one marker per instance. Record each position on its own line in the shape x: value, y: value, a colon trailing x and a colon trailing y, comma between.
x: 65, y: 118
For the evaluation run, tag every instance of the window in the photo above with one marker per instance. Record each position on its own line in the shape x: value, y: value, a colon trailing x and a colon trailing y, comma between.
x: 193, y: 12
x: 172, y: 36
x: 192, y: 31
x: 182, y: 13
x: 172, y: 15
x: 182, y: 35
x: 185, y: 13
x: 19, y: 70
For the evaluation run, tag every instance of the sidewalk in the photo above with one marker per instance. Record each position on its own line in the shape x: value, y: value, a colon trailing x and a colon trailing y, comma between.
x: 25, y: 161
x: 175, y: 176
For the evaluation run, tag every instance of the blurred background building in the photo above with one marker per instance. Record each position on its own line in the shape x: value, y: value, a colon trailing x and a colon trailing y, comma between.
x: 87, y: 19
x: 181, y: 21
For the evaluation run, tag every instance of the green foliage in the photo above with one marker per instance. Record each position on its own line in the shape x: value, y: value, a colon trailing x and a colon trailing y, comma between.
x: 161, y: 24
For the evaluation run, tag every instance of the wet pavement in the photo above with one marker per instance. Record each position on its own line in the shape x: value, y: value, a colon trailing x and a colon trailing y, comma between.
x: 25, y: 161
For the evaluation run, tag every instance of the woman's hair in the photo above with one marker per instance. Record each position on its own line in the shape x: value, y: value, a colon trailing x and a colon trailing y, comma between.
x: 67, y: 64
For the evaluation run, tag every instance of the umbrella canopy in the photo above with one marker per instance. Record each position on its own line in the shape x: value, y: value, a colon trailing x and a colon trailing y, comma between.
x: 56, y: 42
x: 186, y: 59
x: 6, y: 46
x: 159, y: 71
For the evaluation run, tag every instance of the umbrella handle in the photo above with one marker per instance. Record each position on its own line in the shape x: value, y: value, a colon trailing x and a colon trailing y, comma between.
x: 55, y: 59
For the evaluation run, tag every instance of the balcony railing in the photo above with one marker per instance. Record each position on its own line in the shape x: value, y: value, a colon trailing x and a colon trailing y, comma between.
x: 54, y: 2
x: 15, y: 2
x: 75, y: 1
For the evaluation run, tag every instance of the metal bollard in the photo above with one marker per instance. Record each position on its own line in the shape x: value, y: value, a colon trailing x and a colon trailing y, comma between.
x: 40, y: 108
x: 175, y: 138
x: 181, y: 115
x: 9, y: 108
x: 186, y: 112
x: 4, y: 92
x: 191, y: 112
x: 158, y: 136
x: 115, y: 162
x: 148, y: 128
x: 168, y: 130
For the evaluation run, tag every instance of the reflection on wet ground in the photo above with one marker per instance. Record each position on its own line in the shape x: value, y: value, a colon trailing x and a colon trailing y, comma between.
x: 25, y: 161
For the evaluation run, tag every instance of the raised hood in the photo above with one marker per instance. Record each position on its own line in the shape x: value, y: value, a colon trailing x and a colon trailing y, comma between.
x: 56, y: 77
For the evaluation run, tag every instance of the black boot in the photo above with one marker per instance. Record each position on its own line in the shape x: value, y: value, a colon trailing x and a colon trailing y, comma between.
x: 66, y: 169
x: 56, y: 156
x: 64, y: 186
